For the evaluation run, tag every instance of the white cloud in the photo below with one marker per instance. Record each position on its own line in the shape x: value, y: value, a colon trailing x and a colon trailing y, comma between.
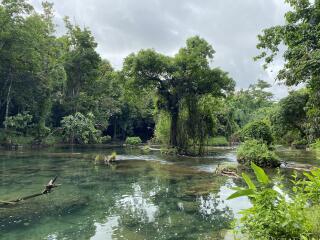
x: 231, y: 26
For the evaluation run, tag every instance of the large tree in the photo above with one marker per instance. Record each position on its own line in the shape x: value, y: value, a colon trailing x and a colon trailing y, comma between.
x: 290, y: 115
x: 29, y: 60
x: 82, y: 64
x: 12, y: 52
x: 245, y: 103
x: 300, y: 35
x: 178, y: 81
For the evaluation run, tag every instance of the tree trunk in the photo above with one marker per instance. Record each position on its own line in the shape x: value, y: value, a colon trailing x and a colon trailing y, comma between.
x: 8, y: 102
x: 115, y: 130
x: 174, y: 129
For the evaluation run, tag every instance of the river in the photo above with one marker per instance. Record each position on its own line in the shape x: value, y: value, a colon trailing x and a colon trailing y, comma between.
x: 142, y: 196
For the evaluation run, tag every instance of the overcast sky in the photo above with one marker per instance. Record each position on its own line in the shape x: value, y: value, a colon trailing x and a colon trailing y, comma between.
x: 231, y: 26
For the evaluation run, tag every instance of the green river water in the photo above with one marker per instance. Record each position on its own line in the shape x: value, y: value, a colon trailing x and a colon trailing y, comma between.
x: 142, y: 196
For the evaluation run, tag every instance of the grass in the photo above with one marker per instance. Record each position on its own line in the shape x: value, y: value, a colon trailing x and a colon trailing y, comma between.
x: 219, y: 141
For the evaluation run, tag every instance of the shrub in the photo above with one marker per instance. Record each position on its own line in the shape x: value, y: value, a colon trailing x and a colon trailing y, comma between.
x: 275, y: 215
x: 80, y: 129
x: 288, y: 138
x: 257, y: 152
x: 52, y: 139
x: 106, y: 139
x: 20, y: 122
x: 133, y: 141
x: 10, y: 137
x: 300, y: 142
x: 218, y: 141
x: 316, y: 145
x: 258, y: 130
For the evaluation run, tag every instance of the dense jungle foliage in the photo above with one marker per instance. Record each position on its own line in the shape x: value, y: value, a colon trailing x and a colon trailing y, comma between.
x: 58, y: 89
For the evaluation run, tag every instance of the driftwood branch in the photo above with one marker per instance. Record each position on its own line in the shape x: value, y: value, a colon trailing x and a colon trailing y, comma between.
x: 230, y: 174
x: 48, y: 189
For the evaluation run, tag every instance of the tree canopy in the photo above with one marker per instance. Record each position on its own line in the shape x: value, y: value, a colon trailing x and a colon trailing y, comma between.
x: 299, y: 35
x: 180, y: 82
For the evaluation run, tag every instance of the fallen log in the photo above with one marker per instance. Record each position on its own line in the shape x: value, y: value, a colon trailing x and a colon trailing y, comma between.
x: 228, y: 170
x: 229, y: 174
x: 48, y: 189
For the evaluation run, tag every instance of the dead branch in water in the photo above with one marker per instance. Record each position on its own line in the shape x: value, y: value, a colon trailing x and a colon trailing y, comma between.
x: 229, y: 174
x: 48, y: 189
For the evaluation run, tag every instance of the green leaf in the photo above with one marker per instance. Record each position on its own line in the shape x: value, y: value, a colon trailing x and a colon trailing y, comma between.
x: 262, y: 177
x: 241, y: 193
x: 310, y: 177
x: 248, y: 181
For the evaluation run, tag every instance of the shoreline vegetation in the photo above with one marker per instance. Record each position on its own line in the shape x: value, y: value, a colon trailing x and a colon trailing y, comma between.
x: 181, y: 102
x: 58, y: 90
x: 231, y: 169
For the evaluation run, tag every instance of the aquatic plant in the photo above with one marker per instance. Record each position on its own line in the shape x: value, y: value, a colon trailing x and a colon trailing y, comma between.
x: 112, y: 157
x: 146, y: 149
x: 100, y: 158
x: 257, y: 152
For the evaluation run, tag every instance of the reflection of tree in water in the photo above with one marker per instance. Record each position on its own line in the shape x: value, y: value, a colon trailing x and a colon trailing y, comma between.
x: 138, y: 206
x: 134, y: 200
x: 214, y: 210
x: 157, y: 210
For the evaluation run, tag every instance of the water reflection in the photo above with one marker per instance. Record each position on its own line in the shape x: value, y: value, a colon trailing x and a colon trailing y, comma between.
x: 105, y: 230
x: 138, y: 206
x: 141, y: 197
x: 211, y: 206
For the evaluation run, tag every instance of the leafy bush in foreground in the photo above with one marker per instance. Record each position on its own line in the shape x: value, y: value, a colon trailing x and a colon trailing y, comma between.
x: 133, y: 141
x: 257, y: 152
x: 277, y: 214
